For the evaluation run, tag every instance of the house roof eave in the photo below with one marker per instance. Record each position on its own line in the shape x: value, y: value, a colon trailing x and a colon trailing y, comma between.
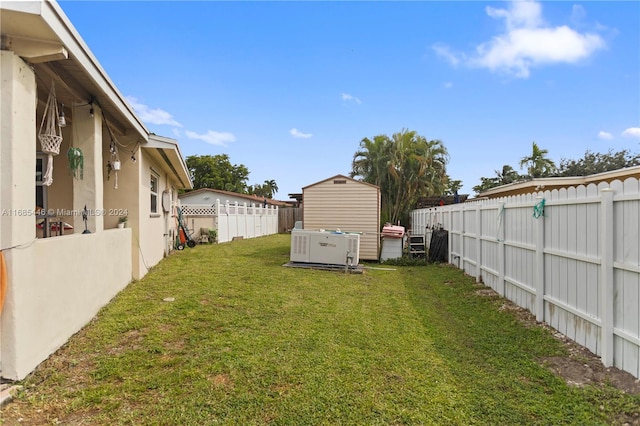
x: 44, y: 22
x: 171, y: 158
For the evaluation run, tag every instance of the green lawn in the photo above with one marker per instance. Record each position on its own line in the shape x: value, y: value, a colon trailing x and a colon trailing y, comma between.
x: 250, y: 342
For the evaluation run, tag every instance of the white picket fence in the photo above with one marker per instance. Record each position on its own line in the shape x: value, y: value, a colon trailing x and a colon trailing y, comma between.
x: 576, y: 266
x: 232, y: 220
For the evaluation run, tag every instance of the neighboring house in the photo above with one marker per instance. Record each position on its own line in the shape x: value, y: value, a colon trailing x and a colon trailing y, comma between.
x: 233, y: 215
x: 350, y: 205
x: 548, y: 184
x: 444, y: 200
x: 57, y: 283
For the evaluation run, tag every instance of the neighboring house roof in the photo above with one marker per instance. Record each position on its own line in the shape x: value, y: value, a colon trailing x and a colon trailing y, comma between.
x: 297, y: 197
x: 249, y: 198
x: 167, y: 152
x: 341, y: 177
x: 548, y: 184
x: 424, y: 202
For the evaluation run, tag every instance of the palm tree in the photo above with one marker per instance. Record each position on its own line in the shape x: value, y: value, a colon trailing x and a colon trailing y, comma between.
x: 420, y: 170
x: 507, y: 175
x: 371, y: 160
x: 405, y: 167
x: 538, y: 165
x: 270, y: 188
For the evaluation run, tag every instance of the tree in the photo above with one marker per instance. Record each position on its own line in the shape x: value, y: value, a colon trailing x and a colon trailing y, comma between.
x: 593, y: 163
x: 217, y: 172
x: 507, y: 175
x: 370, y: 162
x: 486, y: 184
x: 405, y: 166
x: 453, y: 186
x: 267, y: 189
x: 270, y: 187
x: 538, y: 165
x: 503, y: 177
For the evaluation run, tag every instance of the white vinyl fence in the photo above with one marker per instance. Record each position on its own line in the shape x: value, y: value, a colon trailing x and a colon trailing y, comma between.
x: 232, y: 220
x: 570, y: 256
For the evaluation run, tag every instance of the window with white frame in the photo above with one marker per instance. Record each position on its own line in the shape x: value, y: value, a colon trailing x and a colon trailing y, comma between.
x: 154, y: 193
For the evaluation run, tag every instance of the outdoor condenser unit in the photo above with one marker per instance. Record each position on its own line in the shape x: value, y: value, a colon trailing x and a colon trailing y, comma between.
x: 330, y: 248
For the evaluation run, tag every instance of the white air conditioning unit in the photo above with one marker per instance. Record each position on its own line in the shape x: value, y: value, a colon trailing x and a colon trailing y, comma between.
x: 329, y: 248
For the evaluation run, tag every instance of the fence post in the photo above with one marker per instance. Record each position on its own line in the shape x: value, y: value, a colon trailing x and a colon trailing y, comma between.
x: 227, y: 209
x: 216, y: 218
x: 478, y: 244
x: 462, y: 231
x: 501, y: 253
x: 539, y: 264
x: 253, y: 219
x: 237, y: 219
x: 450, y: 235
x: 606, y: 276
x: 245, y: 219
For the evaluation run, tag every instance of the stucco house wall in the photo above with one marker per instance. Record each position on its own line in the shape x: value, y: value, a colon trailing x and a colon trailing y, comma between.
x: 55, y: 285
x: 340, y: 202
x: 157, y: 229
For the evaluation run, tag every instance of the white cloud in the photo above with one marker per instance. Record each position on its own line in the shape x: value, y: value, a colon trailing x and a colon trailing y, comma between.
x: 347, y: 97
x: 152, y: 116
x: 605, y: 135
x: 632, y: 132
x: 527, y: 42
x: 298, y: 134
x: 522, y: 14
x: 448, y: 85
x: 212, y: 137
x: 445, y: 52
x: 577, y: 14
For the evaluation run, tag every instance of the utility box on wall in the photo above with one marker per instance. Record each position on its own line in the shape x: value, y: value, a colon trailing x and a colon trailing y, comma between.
x: 345, y: 204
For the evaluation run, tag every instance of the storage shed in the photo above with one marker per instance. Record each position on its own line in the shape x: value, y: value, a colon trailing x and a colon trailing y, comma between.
x: 340, y: 202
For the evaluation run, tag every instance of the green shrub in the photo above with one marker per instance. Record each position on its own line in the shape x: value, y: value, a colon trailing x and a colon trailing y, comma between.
x: 406, y: 261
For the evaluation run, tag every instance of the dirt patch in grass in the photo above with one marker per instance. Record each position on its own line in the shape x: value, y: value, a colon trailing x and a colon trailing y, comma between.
x: 487, y: 292
x: 221, y: 381
x: 581, y: 367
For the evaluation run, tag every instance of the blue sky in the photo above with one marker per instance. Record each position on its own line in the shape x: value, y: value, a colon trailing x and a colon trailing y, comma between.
x: 289, y: 89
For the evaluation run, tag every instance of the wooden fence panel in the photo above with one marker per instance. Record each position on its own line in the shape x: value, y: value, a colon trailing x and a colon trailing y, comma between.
x: 287, y: 218
x: 576, y: 267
